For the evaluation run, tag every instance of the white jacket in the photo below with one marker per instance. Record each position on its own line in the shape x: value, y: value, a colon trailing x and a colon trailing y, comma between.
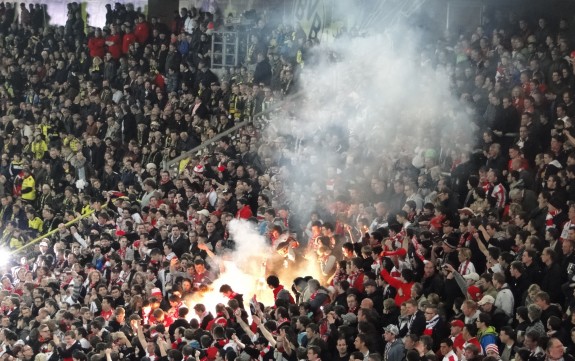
x: 505, y: 301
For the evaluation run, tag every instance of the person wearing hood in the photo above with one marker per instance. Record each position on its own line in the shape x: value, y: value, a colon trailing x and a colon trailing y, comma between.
x: 486, y: 332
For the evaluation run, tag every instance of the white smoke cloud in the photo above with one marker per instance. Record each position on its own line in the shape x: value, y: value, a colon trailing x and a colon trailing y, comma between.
x: 243, y: 269
x: 380, y: 96
x: 386, y: 96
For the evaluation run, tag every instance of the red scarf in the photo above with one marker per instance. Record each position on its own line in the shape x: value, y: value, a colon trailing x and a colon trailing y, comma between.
x: 463, y: 270
x: 122, y: 252
x: 107, y: 314
x: 416, y: 247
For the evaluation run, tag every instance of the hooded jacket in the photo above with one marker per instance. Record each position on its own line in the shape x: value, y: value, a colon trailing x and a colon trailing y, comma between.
x: 487, y: 337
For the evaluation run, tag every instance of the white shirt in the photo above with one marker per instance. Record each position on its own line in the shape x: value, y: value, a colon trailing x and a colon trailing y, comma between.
x: 451, y: 356
x: 188, y: 28
x: 565, y: 231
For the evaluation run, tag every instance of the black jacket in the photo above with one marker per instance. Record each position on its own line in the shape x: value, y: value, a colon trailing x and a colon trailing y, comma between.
x: 181, y: 246
x: 263, y: 72
x: 551, y: 282
x: 417, y: 325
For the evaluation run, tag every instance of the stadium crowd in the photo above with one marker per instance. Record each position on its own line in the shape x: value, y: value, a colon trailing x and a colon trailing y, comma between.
x: 449, y: 254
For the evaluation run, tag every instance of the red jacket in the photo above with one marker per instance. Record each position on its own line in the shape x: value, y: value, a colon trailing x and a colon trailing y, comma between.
x: 142, y: 32
x: 459, y: 342
x: 403, y: 288
x: 116, y: 49
x: 244, y: 213
x: 160, y: 81
x: 356, y: 280
x: 97, y: 47
x: 127, y: 40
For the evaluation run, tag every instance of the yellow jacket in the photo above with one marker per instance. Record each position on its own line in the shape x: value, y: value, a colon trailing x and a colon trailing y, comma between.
x: 15, y: 243
x: 73, y: 143
x: 35, y: 224
x: 39, y: 148
x: 29, y: 188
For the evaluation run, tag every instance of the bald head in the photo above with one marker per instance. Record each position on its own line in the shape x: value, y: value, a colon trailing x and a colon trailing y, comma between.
x: 366, y: 303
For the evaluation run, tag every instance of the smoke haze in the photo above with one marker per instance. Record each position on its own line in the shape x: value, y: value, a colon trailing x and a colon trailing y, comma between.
x: 367, y: 102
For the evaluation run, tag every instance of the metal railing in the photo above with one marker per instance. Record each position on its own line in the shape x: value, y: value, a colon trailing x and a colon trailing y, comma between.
x: 54, y: 231
x: 176, y: 161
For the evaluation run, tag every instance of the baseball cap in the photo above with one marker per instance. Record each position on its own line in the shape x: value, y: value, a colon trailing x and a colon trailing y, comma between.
x: 472, y: 276
x: 474, y: 292
x: 204, y: 212
x: 486, y: 299
x: 457, y: 323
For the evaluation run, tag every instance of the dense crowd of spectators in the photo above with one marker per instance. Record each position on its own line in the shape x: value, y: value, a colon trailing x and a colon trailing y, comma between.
x: 448, y: 253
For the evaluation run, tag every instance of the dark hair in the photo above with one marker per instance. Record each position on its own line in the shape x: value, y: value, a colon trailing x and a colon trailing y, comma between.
x: 348, y: 246
x: 79, y: 355
x: 225, y: 288
x: 412, y: 355
x: 510, y: 332
x: 273, y: 281
x: 485, y: 318
x: 328, y: 226
x: 531, y: 253
x: 427, y: 341
x: 533, y: 335
x: 447, y: 341
x: 407, y: 275
x: 471, y: 329
x: 554, y: 323
x: 518, y: 266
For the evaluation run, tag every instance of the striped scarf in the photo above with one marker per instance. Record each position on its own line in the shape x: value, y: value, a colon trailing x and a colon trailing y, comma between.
x: 429, y: 325
x: 549, y: 219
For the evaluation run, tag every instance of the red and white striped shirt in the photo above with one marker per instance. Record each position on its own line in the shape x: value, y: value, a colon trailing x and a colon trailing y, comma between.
x: 500, y: 194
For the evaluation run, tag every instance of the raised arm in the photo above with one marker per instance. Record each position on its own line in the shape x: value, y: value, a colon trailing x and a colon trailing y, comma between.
x: 264, y: 331
x: 243, y: 325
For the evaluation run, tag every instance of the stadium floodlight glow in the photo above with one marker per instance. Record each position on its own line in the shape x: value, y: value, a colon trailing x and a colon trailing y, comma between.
x: 4, y: 257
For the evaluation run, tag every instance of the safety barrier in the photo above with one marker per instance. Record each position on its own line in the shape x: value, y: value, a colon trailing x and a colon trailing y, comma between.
x: 174, y: 162
x: 38, y: 239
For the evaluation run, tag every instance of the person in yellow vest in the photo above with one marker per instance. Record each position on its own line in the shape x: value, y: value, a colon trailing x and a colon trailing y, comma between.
x: 39, y: 147
x: 28, y: 186
x: 16, y: 241
x: 7, y: 233
x: 35, y: 223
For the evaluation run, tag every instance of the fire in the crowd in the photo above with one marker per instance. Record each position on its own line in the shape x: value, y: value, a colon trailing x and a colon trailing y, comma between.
x: 246, y: 271
x: 249, y: 285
